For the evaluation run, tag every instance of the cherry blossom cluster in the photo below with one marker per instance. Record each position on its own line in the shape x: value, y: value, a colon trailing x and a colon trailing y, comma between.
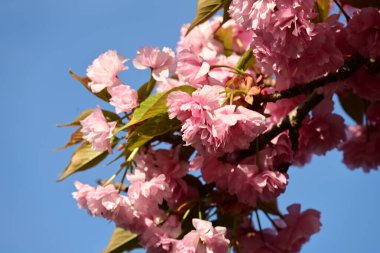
x: 200, y: 194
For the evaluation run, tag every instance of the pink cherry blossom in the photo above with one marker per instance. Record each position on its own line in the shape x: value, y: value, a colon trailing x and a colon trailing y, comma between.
x: 200, y: 41
x: 323, y: 132
x: 363, y: 32
x: 192, y: 68
x: 103, y: 201
x: 167, y: 162
x: 205, y: 238
x: 159, y: 238
x: 299, y: 227
x: 162, y: 62
x: 123, y: 98
x: 97, y: 131
x: 234, y: 128
x: 362, y: 148
x: 247, y: 180
x: 365, y: 84
x: 104, y: 71
x: 252, y: 14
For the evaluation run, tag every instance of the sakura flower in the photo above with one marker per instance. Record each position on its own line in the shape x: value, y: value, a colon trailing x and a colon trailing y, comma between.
x: 362, y: 148
x: 205, y: 238
x: 192, y: 68
x: 107, y: 203
x: 365, y: 84
x: 252, y: 14
x: 97, y: 130
x: 363, y: 32
x: 200, y: 41
x: 100, y: 201
x: 299, y: 227
x: 162, y: 62
x: 197, y: 105
x: 160, y: 237
x: 247, y: 180
x: 124, y: 98
x: 234, y: 128
x: 323, y: 132
x: 104, y: 71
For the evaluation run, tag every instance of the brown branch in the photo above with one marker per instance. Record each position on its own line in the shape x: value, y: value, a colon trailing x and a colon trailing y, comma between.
x: 351, y: 65
x: 291, y: 121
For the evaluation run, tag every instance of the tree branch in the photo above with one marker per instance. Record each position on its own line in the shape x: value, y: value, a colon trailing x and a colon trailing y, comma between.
x: 291, y: 121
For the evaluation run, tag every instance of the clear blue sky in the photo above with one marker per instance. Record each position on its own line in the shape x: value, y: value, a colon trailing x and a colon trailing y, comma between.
x: 40, y: 41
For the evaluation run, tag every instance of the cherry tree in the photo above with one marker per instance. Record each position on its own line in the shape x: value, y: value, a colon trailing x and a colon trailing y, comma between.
x: 205, y: 144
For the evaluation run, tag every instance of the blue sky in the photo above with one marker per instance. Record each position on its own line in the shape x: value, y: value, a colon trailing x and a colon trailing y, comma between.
x: 40, y: 41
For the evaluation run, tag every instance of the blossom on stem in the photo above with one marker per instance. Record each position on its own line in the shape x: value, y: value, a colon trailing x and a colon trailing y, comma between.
x: 104, y: 71
x: 205, y: 238
x: 97, y: 131
x: 123, y: 98
x: 162, y: 62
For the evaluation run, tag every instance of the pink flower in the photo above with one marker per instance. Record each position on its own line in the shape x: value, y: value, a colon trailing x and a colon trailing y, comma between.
x: 299, y: 227
x: 100, y: 201
x: 322, y: 52
x: 97, y: 130
x: 365, y: 84
x: 104, y: 70
x: 192, y: 68
x: 247, y: 180
x: 234, y: 128
x: 211, y: 128
x: 108, y: 203
x: 124, y: 98
x: 156, y: 162
x: 362, y: 148
x: 363, y: 32
x: 205, y: 238
x: 323, y: 132
x: 252, y: 14
x: 162, y: 63
x: 160, y: 237
x: 146, y: 194
x: 200, y: 41
x: 196, y: 106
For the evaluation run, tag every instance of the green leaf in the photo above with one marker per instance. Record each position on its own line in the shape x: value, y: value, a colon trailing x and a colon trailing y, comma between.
x: 75, y: 138
x: 151, y: 128
x: 205, y: 10
x: 104, y: 95
x: 154, y: 105
x: 353, y: 105
x: 269, y: 207
x: 362, y: 3
x: 81, y: 116
x: 323, y: 8
x: 85, y: 158
x: 226, y: 14
x: 110, y: 116
x: 225, y: 35
x: 145, y: 90
x: 122, y: 240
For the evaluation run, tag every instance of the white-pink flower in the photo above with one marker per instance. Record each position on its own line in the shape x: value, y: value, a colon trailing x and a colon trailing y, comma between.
x: 205, y: 238
x: 104, y: 71
x: 123, y: 98
x: 97, y: 131
x: 162, y: 62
